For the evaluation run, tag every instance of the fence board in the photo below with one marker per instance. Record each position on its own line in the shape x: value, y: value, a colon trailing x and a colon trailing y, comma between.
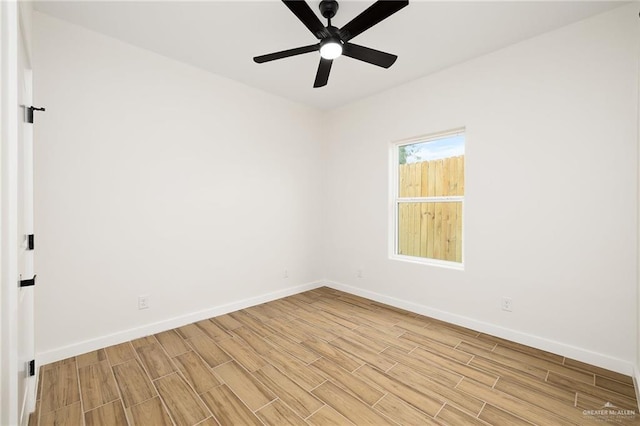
x: 437, y: 233
x: 431, y: 209
x: 417, y: 222
x: 431, y: 182
x: 424, y: 175
x: 459, y: 232
x: 402, y: 229
x: 439, y: 191
x: 424, y: 218
x: 415, y: 179
x: 453, y: 179
x: 402, y: 180
x: 446, y: 169
x: 460, y: 175
x: 451, y: 232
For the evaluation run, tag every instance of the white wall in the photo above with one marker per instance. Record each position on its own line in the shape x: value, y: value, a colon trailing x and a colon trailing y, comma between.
x: 551, y: 191
x: 156, y: 178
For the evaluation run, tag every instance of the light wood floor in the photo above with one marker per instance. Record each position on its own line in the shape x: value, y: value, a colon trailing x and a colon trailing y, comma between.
x: 326, y: 357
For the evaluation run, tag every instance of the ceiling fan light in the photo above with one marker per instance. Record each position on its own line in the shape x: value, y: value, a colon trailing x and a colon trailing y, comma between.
x: 331, y: 49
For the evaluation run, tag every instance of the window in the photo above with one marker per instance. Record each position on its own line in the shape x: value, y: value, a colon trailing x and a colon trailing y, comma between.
x: 427, y: 181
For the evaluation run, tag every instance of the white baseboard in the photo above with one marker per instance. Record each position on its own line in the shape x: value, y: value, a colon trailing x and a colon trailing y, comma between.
x: 79, y: 348
x: 580, y: 354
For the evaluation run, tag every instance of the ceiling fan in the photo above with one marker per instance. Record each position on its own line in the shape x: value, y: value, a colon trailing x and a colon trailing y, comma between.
x: 335, y: 41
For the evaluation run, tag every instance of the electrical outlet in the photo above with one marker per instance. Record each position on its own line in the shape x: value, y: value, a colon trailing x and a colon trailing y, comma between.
x: 285, y: 274
x: 507, y: 304
x: 359, y: 273
x: 143, y: 302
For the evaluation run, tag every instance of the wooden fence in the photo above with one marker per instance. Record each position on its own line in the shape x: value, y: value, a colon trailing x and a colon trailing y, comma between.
x: 431, y: 229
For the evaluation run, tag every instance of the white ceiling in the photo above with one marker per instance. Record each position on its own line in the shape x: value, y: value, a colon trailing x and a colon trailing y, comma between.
x: 223, y: 36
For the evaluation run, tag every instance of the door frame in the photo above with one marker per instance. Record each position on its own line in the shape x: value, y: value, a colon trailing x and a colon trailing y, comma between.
x: 9, y: 213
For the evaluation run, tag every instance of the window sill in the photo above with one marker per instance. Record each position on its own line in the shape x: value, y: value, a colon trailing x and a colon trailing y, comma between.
x: 428, y: 262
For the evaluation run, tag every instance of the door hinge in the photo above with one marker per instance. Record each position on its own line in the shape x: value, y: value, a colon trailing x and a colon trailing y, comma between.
x: 29, y: 111
x: 28, y: 283
x: 32, y: 368
x: 30, y: 242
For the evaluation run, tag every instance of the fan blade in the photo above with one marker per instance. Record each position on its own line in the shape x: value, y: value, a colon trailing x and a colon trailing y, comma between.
x: 323, y: 72
x: 304, y: 13
x: 286, y: 53
x: 377, y: 12
x: 366, y: 54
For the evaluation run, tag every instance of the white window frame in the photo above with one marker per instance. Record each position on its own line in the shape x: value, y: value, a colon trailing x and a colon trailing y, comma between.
x: 395, y: 200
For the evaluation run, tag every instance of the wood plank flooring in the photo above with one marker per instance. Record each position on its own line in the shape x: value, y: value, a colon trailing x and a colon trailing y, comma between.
x: 324, y: 357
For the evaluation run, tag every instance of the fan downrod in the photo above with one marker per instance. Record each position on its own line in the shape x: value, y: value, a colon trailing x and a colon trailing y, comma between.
x: 328, y: 8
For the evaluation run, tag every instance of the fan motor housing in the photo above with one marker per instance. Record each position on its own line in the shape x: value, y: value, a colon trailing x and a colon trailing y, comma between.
x: 328, y: 8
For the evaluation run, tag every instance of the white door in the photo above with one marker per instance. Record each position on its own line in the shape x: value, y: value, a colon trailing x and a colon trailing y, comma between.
x: 16, y: 206
x: 25, y: 323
